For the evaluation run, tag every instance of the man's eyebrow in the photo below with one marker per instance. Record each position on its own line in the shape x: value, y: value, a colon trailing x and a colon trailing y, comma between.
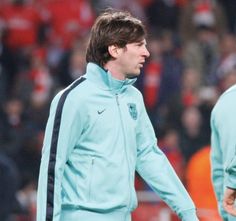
x: 141, y: 42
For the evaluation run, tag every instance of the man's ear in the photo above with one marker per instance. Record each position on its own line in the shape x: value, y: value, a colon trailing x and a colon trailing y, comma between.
x: 114, y: 51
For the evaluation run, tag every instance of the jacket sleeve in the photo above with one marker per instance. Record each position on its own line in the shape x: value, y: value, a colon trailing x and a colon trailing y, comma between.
x: 62, y: 133
x: 223, y: 146
x: 229, y: 120
x: 217, y: 170
x: 223, y: 123
x: 156, y: 170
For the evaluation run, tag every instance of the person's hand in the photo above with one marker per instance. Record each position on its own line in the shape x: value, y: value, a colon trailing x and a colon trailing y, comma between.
x: 229, y: 200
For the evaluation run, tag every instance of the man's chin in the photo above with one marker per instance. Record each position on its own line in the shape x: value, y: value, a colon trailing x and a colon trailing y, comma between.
x: 132, y: 76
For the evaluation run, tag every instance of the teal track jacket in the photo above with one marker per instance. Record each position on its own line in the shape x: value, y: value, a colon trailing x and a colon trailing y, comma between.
x: 98, y: 133
x: 223, y: 142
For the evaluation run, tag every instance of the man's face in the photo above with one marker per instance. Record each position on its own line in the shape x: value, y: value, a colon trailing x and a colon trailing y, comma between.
x: 132, y: 58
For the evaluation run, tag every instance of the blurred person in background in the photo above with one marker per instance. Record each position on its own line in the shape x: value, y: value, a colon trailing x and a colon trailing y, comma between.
x: 172, y: 68
x: 161, y: 78
x: 226, y: 73
x: 23, y: 24
x: 40, y: 78
x: 202, y: 23
x: 202, y: 52
x: 227, y: 47
x: 190, y: 84
x: 68, y: 21
x: 152, y: 74
x: 12, y: 127
x: 9, y: 184
x: 72, y: 64
x: 7, y: 65
x: 207, y: 97
x: 192, y: 137
x: 195, y: 13
x: 81, y: 146
x: 170, y: 144
x: 202, y: 97
x: 35, y: 87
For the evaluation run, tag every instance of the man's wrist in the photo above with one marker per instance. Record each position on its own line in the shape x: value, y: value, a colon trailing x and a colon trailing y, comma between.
x: 230, y: 181
x: 231, y: 188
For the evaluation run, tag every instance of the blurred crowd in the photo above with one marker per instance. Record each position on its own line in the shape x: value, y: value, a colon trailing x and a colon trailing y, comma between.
x: 42, y: 50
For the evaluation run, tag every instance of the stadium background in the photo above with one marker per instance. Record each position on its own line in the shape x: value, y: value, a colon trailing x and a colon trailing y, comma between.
x: 42, y: 49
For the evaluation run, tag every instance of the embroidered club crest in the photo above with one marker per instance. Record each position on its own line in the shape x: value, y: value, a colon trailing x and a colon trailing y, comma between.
x: 133, y: 110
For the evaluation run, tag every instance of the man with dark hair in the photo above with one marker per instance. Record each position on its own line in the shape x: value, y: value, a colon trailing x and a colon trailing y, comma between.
x: 98, y: 133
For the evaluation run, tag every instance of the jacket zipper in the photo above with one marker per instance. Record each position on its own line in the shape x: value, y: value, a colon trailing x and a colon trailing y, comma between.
x: 90, y: 178
x: 126, y: 154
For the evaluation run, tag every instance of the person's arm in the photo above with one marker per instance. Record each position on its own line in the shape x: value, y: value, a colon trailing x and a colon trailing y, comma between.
x: 217, y: 166
x: 63, y: 129
x: 223, y: 155
x: 156, y: 170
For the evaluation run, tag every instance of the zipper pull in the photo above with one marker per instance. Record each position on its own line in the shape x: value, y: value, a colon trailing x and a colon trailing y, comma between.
x: 117, y: 100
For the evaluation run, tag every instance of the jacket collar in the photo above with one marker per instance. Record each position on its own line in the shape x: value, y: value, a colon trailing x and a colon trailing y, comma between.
x: 104, y: 79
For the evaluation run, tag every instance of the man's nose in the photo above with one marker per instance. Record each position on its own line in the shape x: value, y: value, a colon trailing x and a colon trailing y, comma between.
x: 146, y: 52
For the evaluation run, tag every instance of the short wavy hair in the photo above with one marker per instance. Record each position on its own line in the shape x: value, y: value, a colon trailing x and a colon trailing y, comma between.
x: 112, y: 28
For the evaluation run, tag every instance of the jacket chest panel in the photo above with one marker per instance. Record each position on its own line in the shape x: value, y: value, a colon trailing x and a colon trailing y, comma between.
x: 111, y: 122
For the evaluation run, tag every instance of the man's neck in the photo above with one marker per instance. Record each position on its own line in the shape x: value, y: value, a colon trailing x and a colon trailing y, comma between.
x: 114, y: 70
